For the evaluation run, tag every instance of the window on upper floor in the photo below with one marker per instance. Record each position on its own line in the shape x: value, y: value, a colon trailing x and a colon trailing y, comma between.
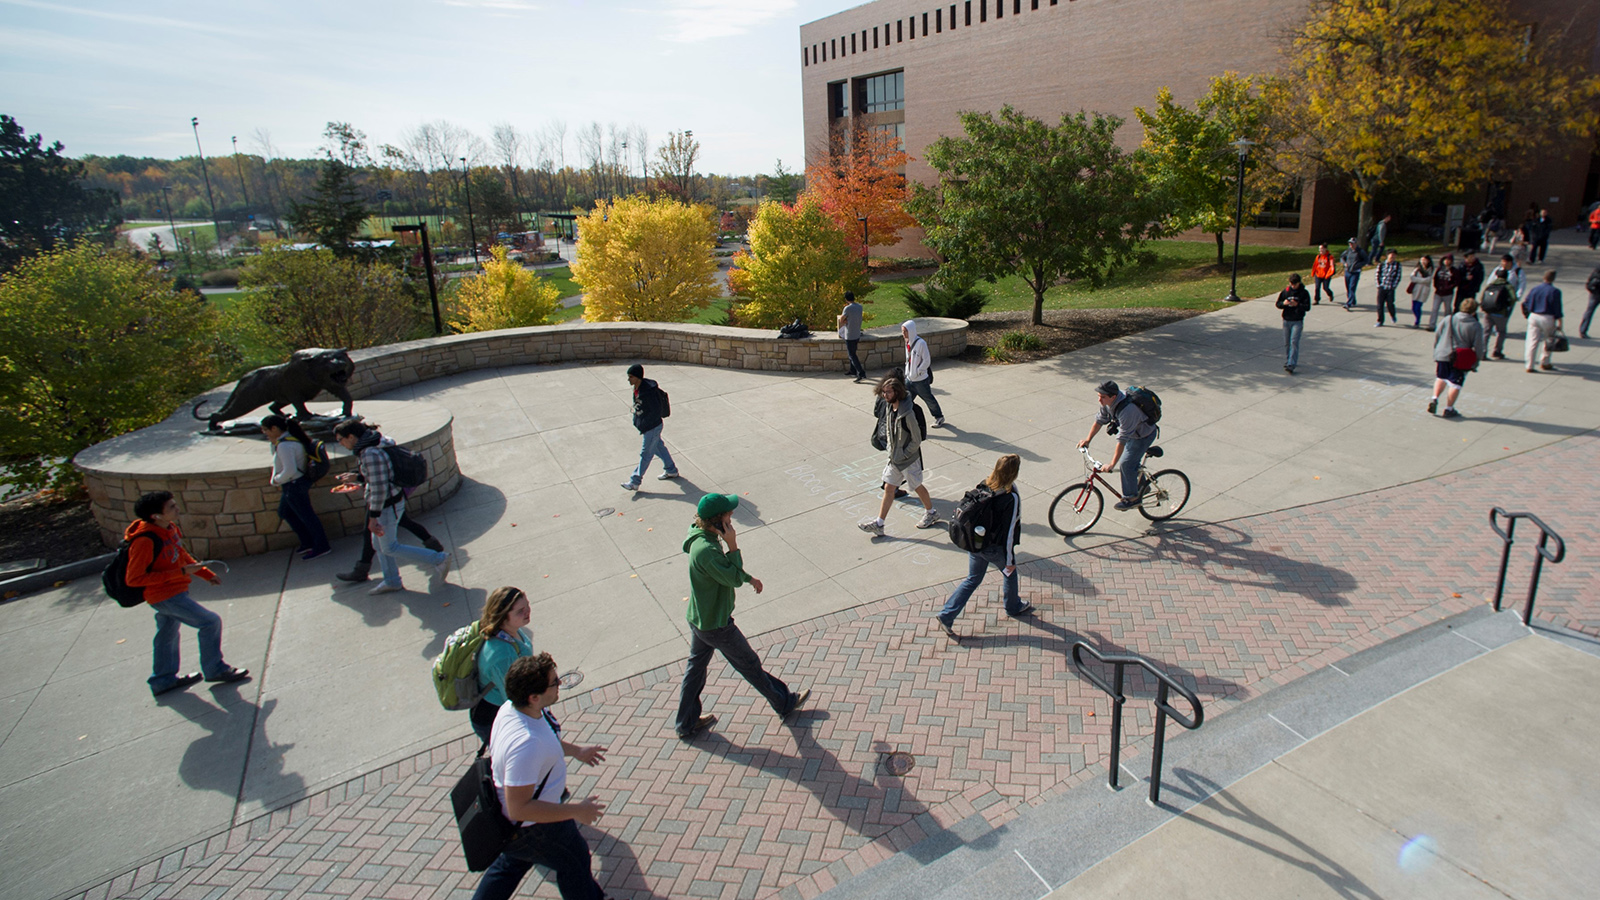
x: 837, y: 108
x: 881, y: 93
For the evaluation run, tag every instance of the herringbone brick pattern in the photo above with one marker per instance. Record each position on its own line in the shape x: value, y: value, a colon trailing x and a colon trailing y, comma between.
x: 757, y: 808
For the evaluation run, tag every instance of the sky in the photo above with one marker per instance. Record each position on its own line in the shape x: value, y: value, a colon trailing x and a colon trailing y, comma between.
x: 109, y: 78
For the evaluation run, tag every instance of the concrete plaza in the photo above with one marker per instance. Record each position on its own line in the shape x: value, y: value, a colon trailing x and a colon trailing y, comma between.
x: 1330, y: 514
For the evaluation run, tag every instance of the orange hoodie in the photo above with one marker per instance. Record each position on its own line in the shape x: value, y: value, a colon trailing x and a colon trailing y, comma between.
x: 159, y: 571
x: 1322, y: 266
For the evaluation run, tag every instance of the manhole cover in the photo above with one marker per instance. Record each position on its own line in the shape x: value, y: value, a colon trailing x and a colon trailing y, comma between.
x: 572, y: 679
x: 896, y: 763
x: 602, y: 513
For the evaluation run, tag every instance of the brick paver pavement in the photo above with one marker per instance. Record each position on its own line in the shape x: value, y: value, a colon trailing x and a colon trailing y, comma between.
x: 998, y: 722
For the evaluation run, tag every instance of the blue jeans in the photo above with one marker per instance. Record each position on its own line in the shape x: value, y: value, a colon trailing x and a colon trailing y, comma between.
x: 1351, y: 278
x: 924, y: 389
x: 555, y: 845
x: 389, y: 548
x: 180, y: 609
x: 1132, y: 457
x: 1291, y: 341
x: 731, y: 642
x: 294, y: 507
x: 977, y: 566
x: 856, y: 368
x: 652, y: 447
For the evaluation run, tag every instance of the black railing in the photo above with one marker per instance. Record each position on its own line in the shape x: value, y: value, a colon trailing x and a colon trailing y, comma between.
x: 1545, y: 534
x: 1163, y: 709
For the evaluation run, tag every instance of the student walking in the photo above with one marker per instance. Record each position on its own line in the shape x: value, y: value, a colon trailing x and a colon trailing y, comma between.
x: 386, y: 503
x: 1388, y: 282
x: 1444, y: 290
x: 714, y: 574
x: 1322, y: 271
x: 1457, y: 349
x: 850, y: 331
x: 1353, y: 260
x: 1469, y: 276
x: 1497, y: 301
x: 1542, y: 306
x: 1593, y: 286
x: 650, y: 408
x: 158, y: 563
x: 291, y: 472
x: 919, y: 369
x: 1294, y: 302
x: 1539, y: 236
x: 1000, y: 549
x: 1420, y: 287
x: 505, y: 616
x: 363, y: 566
x: 902, y: 436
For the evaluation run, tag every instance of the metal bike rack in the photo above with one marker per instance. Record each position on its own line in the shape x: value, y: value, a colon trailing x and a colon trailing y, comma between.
x: 1545, y: 534
x: 1163, y: 709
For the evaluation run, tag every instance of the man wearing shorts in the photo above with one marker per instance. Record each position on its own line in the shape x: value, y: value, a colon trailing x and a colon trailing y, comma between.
x: 899, y: 426
x: 1134, y: 432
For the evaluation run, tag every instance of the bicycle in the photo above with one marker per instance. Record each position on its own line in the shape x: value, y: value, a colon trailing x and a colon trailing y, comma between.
x: 1162, y: 496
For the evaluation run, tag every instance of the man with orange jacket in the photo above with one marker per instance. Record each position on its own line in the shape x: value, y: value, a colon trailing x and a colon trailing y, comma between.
x: 1594, y: 227
x: 1322, y: 269
x: 158, y: 563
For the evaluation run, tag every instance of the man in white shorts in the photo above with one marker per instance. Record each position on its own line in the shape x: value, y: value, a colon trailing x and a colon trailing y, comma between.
x: 897, y: 421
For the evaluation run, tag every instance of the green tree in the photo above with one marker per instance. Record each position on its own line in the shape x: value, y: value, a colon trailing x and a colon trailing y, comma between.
x: 505, y: 296
x: 1187, y: 159
x: 783, y: 185
x: 646, y: 260
x: 93, y: 344
x: 335, y: 212
x: 1438, y: 94
x: 1018, y: 196
x: 43, y: 201
x: 798, y: 267
x: 311, y: 298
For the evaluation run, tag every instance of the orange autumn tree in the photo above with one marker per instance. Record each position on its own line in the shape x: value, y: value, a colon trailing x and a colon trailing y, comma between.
x: 863, y: 176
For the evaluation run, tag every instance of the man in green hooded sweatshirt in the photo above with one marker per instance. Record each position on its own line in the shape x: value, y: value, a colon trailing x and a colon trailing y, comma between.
x: 714, y: 574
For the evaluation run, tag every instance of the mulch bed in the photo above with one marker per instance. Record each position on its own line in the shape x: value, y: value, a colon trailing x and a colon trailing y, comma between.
x: 54, y: 530
x: 1063, y: 330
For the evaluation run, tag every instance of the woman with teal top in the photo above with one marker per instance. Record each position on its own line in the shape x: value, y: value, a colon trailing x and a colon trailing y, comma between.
x: 505, y: 615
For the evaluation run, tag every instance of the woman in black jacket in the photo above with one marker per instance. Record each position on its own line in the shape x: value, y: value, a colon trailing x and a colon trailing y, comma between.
x: 1000, y: 549
x: 1294, y: 301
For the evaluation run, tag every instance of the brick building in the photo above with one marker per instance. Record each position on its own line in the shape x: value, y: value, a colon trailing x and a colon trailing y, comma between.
x: 911, y: 66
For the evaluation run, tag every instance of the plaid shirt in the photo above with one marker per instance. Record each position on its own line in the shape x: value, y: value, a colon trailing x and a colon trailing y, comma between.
x: 378, y: 473
x: 1388, y: 275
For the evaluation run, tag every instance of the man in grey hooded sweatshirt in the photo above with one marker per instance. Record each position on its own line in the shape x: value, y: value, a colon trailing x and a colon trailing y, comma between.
x: 919, y: 369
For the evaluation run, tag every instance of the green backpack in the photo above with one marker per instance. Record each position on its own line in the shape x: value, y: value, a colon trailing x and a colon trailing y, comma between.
x: 455, y: 672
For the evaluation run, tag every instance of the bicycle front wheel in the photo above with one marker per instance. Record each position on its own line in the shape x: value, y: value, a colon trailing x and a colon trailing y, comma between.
x: 1076, y: 509
x: 1167, y: 494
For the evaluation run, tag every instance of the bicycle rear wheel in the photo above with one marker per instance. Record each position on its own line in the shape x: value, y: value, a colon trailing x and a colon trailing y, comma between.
x: 1167, y: 494
x: 1076, y: 509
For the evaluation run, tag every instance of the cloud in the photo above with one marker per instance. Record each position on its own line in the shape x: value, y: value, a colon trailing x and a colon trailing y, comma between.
x: 700, y: 20
x: 131, y: 18
x: 496, y: 5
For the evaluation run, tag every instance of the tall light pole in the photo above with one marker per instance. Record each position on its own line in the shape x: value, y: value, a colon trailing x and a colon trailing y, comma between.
x: 627, y: 176
x: 1243, y: 146
x: 194, y: 121
x: 472, y: 230
x: 243, y: 190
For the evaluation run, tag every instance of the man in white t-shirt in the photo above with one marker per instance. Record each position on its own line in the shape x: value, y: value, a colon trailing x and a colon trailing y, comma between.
x: 527, y: 756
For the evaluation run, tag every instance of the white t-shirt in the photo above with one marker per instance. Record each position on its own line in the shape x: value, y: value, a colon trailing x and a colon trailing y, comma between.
x: 522, y: 749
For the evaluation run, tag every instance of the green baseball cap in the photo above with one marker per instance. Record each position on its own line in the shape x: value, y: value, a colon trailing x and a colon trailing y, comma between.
x: 716, y: 504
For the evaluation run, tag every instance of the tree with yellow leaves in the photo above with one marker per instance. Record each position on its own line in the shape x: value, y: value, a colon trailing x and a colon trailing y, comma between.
x: 798, y: 267
x: 1434, y: 94
x: 644, y: 260
x: 505, y: 296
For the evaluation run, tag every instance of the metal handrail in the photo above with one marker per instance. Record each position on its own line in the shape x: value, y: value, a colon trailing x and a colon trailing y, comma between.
x: 1163, y: 709
x: 1545, y: 534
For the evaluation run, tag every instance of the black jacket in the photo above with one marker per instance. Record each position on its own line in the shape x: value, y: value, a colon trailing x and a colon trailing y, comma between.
x: 1469, y: 277
x: 646, y: 406
x: 1294, y: 313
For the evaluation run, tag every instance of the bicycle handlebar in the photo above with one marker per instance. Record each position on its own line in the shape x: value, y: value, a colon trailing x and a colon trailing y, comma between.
x: 1092, y: 461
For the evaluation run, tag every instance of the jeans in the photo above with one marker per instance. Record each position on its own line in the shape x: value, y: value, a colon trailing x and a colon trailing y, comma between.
x: 1416, y: 310
x: 1537, y: 249
x: 1385, y: 299
x: 1352, y: 277
x: 406, y: 522
x: 294, y: 507
x: 1291, y: 342
x: 1588, y: 315
x: 555, y: 845
x: 652, y: 446
x: 180, y: 609
x: 1439, y: 300
x: 730, y: 641
x: 1497, y: 327
x: 856, y: 368
x: 977, y: 566
x: 1133, y: 451
x: 1322, y: 284
x: 388, y: 545
x: 924, y: 389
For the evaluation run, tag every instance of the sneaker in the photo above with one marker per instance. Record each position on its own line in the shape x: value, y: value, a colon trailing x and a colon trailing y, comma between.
x: 1379, y: 325
x: 630, y: 485
x: 443, y: 567
x: 667, y: 476
x: 1450, y: 413
x: 930, y: 518
x: 799, y: 700
x: 1289, y: 369
x: 872, y: 527
x: 1027, y: 609
x: 231, y: 676
x: 1433, y: 406
x: 309, y: 555
x: 354, y: 576
x: 1125, y: 505
x: 184, y: 681
x: 385, y: 587
x: 432, y: 543
x: 700, y: 725
x: 939, y: 422
x: 948, y: 629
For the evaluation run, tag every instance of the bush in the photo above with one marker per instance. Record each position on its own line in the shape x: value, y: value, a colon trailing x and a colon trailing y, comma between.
x: 310, y: 298
x: 221, y: 278
x: 1021, y: 340
x: 646, y: 260
x: 93, y: 344
x: 945, y: 302
x: 505, y: 296
x: 798, y: 267
x: 996, y: 354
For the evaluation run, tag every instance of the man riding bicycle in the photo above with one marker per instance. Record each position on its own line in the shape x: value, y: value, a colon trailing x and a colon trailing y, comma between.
x: 1134, y: 432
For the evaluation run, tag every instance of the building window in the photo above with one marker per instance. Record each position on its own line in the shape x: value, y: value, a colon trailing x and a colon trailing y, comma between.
x: 924, y: 24
x: 899, y: 31
x: 881, y: 93
x: 983, y: 10
x: 999, y: 9
x: 969, y: 13
x: 863, y: 40
x: 897, y: 130
x: 938, y: 23
x: 837, y: 108
x: 833, y: 49
x: 874, y: 37
x: 1035, y: 4
x: 952, y: 17
x: 1282, y: 213
x: 852, y: 42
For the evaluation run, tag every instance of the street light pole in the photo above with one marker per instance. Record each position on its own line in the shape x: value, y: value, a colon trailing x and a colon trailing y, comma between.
x: 194, y: 121
x: 1243, y: 146
x: 427, y: 262
x: 472, y: 230
x: 240, y: 167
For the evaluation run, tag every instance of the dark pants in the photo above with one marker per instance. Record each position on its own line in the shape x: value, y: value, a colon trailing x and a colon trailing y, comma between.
x: 406, y: 522
x: 555, y: 845
x: 482, y: 715
x: 924, y: 389
x: 731, y: 643
x: 1352, y: 277
x: 856, y: 368
x: 1588, y: 315
x: 1536, y: 250
x: 1594, y: 237
x: 1322, y: 284
x: 1385, y: 299
x: 1497, y: 328
x: 294, y: 507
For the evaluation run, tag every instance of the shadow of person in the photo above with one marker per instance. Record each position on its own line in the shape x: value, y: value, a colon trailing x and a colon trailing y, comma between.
x: 984, y: 441
x: 235, y: 738
x: 1214, y: 808
x: 1226, y: 555
x: 620, y: 873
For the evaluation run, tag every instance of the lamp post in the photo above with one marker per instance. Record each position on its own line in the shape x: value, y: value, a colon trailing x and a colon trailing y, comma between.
x: 627, y: 176
x: 194, y: 121
x: 427, y: 261
x: 1243, y: 146
x: 472, y: 230
x: 245, y: 191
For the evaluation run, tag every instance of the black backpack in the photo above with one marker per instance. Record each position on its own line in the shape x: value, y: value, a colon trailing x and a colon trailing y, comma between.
x: 975, y: 510
x: 1497, y: 299
x: 115, y: 577
x: 317, y: 461
x: 410, y: 467
x: 922, y: 421
x: 1143, y: 398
